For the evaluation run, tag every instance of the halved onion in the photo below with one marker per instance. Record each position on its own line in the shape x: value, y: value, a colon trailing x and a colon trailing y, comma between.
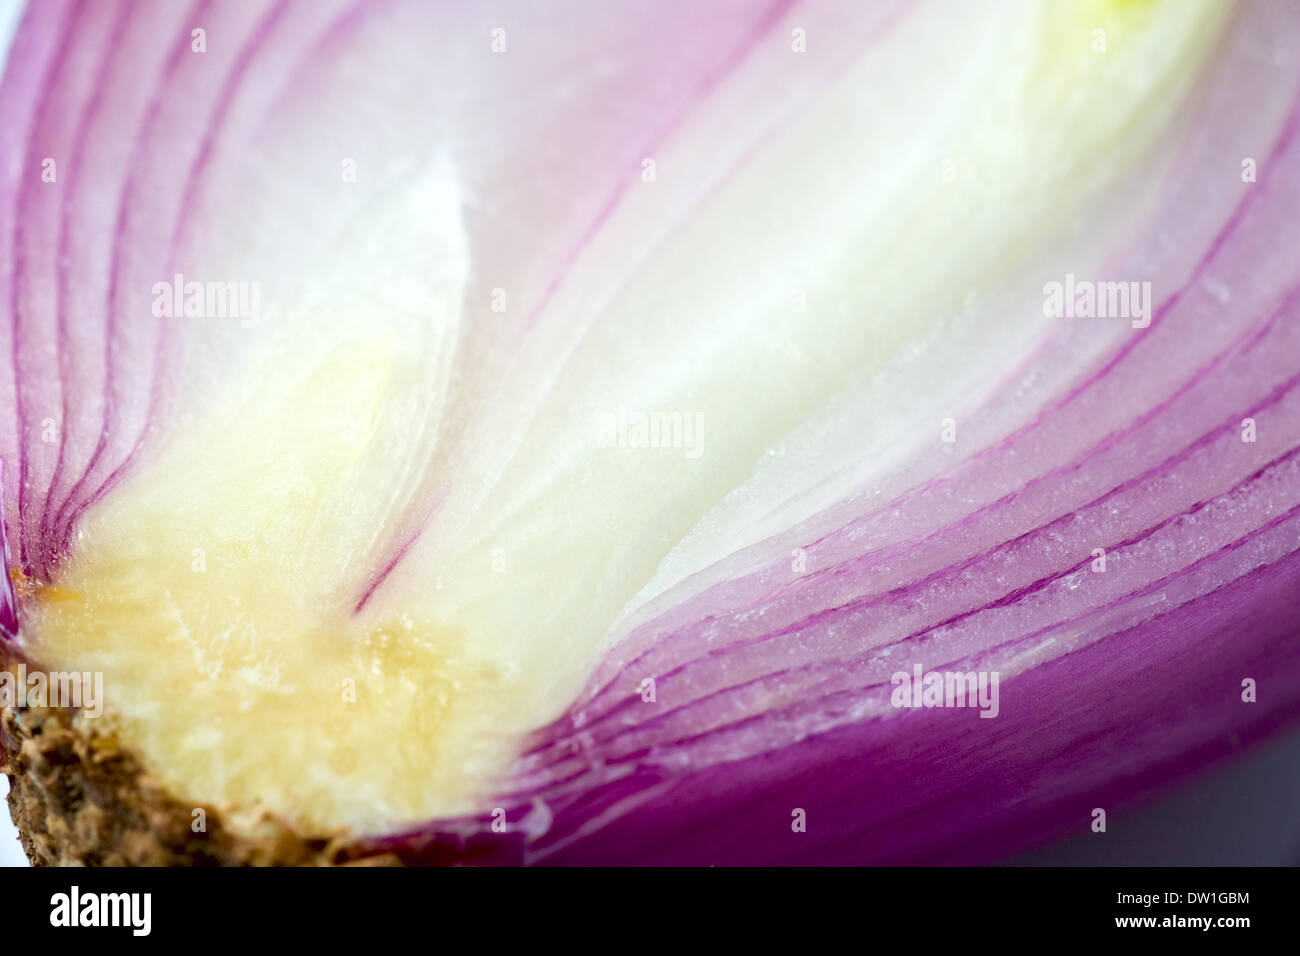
x: 549, y: 435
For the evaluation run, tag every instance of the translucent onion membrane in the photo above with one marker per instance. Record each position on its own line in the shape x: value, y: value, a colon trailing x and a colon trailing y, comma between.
x: 820, y: 234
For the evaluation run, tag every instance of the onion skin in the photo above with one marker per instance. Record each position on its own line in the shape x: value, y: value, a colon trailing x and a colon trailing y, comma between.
x: 772, y: 685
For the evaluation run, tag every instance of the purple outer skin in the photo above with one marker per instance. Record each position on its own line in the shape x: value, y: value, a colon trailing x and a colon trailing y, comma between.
x: 953, y: 794
x: 8, y: 599
x: 1145, y: 689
